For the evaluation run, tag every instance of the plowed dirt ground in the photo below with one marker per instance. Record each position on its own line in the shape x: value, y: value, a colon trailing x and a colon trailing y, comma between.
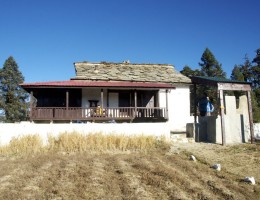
x: 158, y: 174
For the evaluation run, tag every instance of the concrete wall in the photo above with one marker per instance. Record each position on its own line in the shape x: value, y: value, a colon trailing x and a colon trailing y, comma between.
x: 237, y: 127
x: 257, y: 130
x: 10, y: 130
x: 178, y: 107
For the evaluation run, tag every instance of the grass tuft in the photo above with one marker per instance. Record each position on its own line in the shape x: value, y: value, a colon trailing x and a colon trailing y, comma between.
x: 29, y: 144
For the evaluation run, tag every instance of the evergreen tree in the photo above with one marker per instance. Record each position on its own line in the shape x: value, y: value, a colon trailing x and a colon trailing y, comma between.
x: 210, y: 66
x: 248, y: 73
x: 257, y: 58
x: 237, y: 73
x: 187, y: 71
x: 13, y: 97
x: 256, y: 70
x: 246, y: 69
x: 256, y: 85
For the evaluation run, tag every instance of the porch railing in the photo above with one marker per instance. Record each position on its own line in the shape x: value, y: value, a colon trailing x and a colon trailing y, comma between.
x: 80, y: 113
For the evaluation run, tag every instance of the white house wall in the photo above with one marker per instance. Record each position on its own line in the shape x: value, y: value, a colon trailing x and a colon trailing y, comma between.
x: 178, y: 107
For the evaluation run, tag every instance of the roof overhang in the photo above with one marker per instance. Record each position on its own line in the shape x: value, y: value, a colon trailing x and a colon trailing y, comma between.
x: 222, y: 83
x: 96, y: 84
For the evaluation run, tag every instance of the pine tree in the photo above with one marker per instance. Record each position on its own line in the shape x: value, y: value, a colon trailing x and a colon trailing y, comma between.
x: 187, y: 71
x: 256, y: 70
x: 237, y: 73
x: 248, y: 73
x: 210, y: 66
x: 256, y: 84
x: 13, y: 97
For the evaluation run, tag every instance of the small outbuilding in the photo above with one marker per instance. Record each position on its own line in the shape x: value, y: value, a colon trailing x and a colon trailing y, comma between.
x: 235, y: 123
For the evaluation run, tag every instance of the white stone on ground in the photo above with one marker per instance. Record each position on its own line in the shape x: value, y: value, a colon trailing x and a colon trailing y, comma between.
x: 192, y: 157
x: 216, y: 167
x: 250, y: 180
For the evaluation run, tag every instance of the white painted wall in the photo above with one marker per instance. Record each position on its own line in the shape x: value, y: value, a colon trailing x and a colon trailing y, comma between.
x: 10, y: 130
x: 257, y: 130
x: 178, y: 107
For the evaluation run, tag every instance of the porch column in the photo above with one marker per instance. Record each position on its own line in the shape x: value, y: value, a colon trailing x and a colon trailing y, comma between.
x: 195, y: 104
x: 249, y: 102
x: 222, y: 117
x: 67, y: 103
x: 67, y: 100
x: 107, y: 98
x: 135, y: 103
x: 31, y: 105
x: 167, y: 104
x: 102, y: 99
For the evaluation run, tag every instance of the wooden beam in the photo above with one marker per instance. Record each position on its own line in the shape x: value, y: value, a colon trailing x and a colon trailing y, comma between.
x: 135, y: 93
x: 31, y: 104
x: 250, y: 113
x: 234, y: 86
x: 67, y: 104
x: 67, y: 100
x: 167, y: 105
x: 155, y: 101
x: 102, y: 99
x: 107, y: 98
x: 195, y: 103
x: 221, y: 96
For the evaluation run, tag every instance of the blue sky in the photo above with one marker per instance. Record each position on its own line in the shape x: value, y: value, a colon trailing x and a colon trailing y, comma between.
x: 47, y: 36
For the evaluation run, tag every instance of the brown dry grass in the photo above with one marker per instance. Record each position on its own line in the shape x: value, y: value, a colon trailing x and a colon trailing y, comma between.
x: 159, y: 172
x: 76, y: 142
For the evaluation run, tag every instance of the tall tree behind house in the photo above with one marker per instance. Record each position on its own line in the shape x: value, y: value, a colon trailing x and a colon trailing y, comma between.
x: 13, y: 97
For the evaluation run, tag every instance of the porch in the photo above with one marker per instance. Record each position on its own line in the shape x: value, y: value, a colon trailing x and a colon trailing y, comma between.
x: 83, y: 114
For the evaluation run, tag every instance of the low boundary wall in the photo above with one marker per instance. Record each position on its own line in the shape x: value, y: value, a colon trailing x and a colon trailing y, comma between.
x: 10, y: 130
x: 257, y: 130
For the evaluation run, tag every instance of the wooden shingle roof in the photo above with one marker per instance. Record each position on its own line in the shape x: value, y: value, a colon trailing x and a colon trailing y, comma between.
x: 160, y: 73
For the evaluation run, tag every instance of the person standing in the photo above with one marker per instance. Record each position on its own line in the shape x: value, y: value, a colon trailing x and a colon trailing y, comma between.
x: 210, y: 107
x: 205, y: 106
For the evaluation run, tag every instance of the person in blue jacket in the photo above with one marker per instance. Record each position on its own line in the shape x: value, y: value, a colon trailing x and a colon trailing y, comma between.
x: 205, y: 106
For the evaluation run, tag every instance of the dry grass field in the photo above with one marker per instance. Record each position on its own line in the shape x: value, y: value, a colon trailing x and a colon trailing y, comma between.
x: 99, y: 167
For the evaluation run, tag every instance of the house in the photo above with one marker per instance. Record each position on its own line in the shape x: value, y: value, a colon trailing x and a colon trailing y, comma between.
x: 121, y: 92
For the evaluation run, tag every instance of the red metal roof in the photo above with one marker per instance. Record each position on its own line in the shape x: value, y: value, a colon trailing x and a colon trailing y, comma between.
x: 76, y: 83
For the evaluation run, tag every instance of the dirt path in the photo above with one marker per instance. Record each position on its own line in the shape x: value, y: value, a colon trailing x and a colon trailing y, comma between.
x: 157, y: 174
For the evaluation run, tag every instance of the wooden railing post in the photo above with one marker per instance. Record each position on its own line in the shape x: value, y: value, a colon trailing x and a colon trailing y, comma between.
x: 67, y: 104
x: 135, y: 103
x: 167, y: 114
